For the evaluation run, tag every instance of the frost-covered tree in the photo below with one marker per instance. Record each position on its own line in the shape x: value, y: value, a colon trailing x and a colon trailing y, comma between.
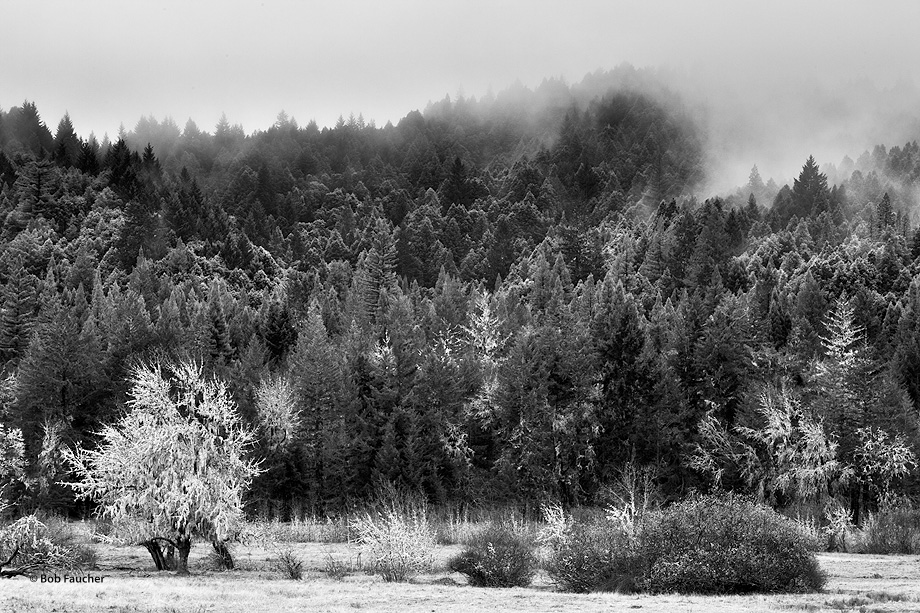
x: 277, y: 410
x: 787, y: 457
x: 175, y: 467
x: 841, y: 378
x: 12, y: 464
x: 487, y: 343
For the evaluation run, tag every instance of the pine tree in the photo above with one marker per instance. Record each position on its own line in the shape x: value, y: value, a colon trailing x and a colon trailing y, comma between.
x: 67, y: 145
x: 59, y: 375
x: 809, y: 190
x: 276, y: 325
x: 316, y: 373
x: 842, y: 376
x: 217, y: 332
x: 19, y: 303
x: 379, y: 268
x: 622, y: 375
x: 906, y: 359
x: 884, y: 215
x: 88, y: 157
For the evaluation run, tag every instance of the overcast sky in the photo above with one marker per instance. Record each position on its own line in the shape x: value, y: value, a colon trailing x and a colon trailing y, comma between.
x: 109, y: 62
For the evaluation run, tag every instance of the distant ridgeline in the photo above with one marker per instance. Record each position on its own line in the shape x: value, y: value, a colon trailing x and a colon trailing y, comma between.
x: 496, y: 300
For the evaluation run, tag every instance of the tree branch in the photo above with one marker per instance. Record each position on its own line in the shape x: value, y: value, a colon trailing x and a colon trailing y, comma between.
x: 165, y: 540
x: 10, y: 559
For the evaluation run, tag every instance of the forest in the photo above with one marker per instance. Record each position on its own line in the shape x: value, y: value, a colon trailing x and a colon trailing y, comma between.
x: 496, y: 301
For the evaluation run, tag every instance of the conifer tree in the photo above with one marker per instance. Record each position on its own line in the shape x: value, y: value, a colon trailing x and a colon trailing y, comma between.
x: 19, y: 303
x: 218, y: 349
x: 380, y: 265
x: 809, y: 190
x: 66, y: 143
x: 59, y: 376
x: 622, y: 375
x: 316, y: 374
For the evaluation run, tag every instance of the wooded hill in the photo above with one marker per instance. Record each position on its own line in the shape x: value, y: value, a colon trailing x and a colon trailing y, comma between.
x: 496, y: 300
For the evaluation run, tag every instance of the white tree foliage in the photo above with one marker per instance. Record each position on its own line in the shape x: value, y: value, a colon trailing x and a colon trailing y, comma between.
x: 487, y: 342
x: 881, y: 457
x: 175, y: 464
x: 51, y: 464
x: 840, y: 376
x: 12, y: 463
x: 789, y: 454
x: 277, y: 410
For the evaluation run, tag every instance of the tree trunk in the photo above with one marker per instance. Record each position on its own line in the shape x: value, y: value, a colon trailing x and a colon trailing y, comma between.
x: 170, y: 557
x: 223, y: 554
x: 156, y: 553
x: 183, y: 547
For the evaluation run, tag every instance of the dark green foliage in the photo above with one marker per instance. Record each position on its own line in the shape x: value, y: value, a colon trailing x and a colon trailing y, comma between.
x: 19, y: 305
x: 593, y: 555
x: 624, y: 376
x: 725, y: 544
x: 497, y: 556
x: 720, y: 544
x: 66, y: 143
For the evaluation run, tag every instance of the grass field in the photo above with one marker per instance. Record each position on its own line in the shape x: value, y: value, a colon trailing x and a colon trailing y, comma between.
x: 864, y: 583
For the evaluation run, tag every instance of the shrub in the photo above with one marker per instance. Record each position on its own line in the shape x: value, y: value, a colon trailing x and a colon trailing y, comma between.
x: 894, y: 529
x: 43, y: 547
x: 498, y: 556
x: 289, y: 564
x: 398, y: 537
x: 725, y: 544
x: 594, y: 554
x: 338, y: 570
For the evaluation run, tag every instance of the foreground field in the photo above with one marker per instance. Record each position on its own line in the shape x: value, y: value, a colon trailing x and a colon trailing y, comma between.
x: 863, y: 583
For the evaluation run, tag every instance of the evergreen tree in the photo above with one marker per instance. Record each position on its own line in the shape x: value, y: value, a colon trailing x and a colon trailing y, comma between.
x: 809, y: 190
x: 217, y: 347
x: 58, y: 376
x: 624, y: 379
x: 316, y: 372
x: 19, y: 303
x: 67, y: 145
x: 884, y: 215
x: 379, y: 270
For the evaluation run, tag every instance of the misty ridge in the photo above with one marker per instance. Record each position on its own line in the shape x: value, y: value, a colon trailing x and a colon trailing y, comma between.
x: 634, y: 263
x: 707, y: 134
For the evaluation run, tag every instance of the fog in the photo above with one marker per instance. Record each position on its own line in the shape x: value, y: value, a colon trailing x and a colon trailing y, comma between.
x: 771, y: 82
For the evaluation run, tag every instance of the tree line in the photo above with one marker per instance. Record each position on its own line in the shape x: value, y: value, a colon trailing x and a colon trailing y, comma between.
x: 497, y: 301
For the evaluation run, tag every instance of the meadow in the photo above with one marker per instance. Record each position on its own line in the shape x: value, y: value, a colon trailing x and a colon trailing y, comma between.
x: 856, y: 582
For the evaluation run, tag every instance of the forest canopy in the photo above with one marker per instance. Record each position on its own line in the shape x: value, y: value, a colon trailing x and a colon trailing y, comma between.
x: 496, y: 300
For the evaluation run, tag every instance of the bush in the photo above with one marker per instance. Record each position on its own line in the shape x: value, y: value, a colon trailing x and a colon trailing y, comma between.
x: 894, y: 529
x: 338, y: 570
x: 498, y: 556
x: 43, y: 546
x: 398, y: 537
x: 725, y: 544
x: 593, y: 554
x: 289, y: 564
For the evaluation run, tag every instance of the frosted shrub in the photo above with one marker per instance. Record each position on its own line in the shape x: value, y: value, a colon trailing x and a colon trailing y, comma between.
x: 593, y: 554
x: 500, y: 555
x: 705, y: 544
x: 895, y: 528
x: 725, y: 545
x: 399, y: 540
x: 37, y: 546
